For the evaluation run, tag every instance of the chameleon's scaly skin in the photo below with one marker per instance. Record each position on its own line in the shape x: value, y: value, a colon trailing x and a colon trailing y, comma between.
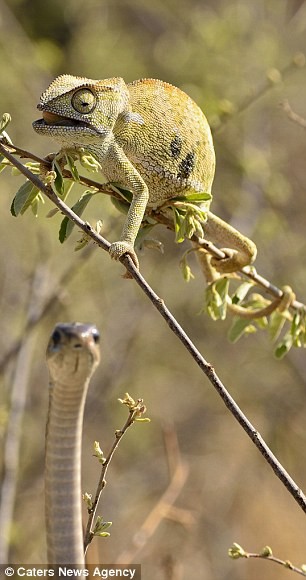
x: 150, y: 138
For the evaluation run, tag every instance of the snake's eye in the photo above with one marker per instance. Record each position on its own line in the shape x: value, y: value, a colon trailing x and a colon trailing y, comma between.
x: 83, y: 101
x: 56, y: 337
x: 96, y: 336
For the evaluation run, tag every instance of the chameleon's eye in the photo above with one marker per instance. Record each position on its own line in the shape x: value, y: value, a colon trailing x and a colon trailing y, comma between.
x: 83, y: 101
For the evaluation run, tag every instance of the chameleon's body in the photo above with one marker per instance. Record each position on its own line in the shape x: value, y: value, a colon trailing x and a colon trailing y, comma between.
x: 150, y: 138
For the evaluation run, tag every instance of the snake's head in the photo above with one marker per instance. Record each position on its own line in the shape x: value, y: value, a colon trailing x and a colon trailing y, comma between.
x: 73, y: 352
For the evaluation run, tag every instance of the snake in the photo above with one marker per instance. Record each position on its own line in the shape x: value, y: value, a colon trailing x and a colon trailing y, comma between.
x: 72, y: 357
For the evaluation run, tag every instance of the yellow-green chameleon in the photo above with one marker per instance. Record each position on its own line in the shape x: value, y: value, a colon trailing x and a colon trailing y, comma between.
x: 150, y: 138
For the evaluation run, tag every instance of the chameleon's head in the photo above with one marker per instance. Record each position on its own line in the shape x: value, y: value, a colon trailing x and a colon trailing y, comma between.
x: 77, y: 110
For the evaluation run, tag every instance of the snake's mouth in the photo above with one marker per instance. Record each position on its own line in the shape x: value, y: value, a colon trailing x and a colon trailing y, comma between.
x: 54, y: 120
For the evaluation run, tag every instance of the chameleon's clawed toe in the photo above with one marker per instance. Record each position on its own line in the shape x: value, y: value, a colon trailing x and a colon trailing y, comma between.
x: 118, y: 249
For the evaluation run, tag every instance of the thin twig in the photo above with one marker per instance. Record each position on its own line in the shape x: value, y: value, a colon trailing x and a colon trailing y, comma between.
x: 89, y: 534
x: 283, y: 563
x: 49, y: 302
x: 159, y: 304
x: 292, y: 115
x: 236, y: 552
x: 273, y: 78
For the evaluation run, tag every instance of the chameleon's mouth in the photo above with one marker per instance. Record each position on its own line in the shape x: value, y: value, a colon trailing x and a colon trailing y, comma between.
x: 54, y: 120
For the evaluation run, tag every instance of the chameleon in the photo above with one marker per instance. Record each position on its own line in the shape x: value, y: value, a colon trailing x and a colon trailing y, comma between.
x: 150, y: 138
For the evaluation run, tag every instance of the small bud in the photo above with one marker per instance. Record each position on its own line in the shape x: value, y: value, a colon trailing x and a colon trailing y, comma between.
x: 266, y: 552
x: 299, y: 59
x: 6, y: 119
x: 227, y: 107
x: 99, y: 225
x: 274, y: 76
x: 100, y: 527
x: 128, y: 401
x: 34, y: 167
x: 236, y: 551
x: 98, y: 452
x: 50, y: 177
x: 87, y: 498
x: 89, y: 162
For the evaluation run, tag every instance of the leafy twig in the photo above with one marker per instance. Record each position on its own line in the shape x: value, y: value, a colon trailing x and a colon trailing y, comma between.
x: 236, y: 551
x: 136, y: 410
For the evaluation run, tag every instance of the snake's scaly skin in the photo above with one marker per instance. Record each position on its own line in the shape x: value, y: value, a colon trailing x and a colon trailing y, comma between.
x: 72, y: 356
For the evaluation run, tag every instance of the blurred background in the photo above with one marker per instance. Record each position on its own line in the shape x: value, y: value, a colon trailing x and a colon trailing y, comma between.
x: 223, y: 53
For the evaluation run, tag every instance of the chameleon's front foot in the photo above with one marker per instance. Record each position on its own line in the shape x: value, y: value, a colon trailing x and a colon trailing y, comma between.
x: 118, y: 249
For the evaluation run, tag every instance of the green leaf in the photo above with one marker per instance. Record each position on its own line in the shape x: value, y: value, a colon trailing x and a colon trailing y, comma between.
x: 34, y: 167
x: 67, y: 225
x: 262, y: 322
x: 186, y: 270
x: 35, y: 206
x: 58, y: 184
x: 88, y: 161
x: 298, y: 329
x: 239, y: 327
x: 216, y: 299
x: 284, y: 346
x: 4, y: 164
x: 72, y: 167
x: 125, y: 193
x: 276, y: 324
x: 195, y: 197
x: 23, y: 199
x: 100, y: 527
x: 63, y: 228
x: 241, y: 292
x: 179, y: 225
x: 188, y: 220
x: 296, y: 335
x: 6, y: 119
x: 32, y: 202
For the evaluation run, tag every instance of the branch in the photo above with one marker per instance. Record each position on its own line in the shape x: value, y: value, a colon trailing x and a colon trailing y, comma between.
x: 236, y: 551
x: 137, y: 408
x: 292, y: 115
x: 50, y: 301
x: 106, y: 189
x: 174, y: 326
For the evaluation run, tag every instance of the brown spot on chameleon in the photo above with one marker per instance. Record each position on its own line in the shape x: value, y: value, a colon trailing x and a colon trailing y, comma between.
x: 176, y: 146
x: 186, y: 166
